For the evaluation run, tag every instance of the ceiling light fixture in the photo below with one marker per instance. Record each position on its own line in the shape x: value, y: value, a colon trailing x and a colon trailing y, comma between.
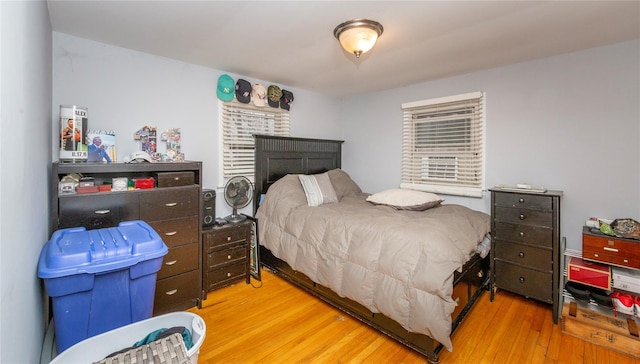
x: 358, y: 36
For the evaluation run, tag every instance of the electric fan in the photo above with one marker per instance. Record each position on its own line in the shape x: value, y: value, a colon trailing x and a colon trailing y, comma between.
x: 237, y: 193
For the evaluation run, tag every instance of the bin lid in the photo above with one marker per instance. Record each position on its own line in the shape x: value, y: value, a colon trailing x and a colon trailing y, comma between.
x: 77, y: 250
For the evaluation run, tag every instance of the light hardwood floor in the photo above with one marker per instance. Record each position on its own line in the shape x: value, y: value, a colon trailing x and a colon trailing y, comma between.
x: 279, y: 323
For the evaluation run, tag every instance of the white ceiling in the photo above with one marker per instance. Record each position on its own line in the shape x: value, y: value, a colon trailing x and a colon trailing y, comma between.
x: 292, y: 43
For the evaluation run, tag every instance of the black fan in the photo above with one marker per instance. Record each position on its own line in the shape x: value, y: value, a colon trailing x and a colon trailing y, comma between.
x: 237, y: 193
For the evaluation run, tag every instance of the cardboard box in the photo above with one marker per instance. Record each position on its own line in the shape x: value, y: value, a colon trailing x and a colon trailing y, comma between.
x: 626, y: 279
x: 589, y: 273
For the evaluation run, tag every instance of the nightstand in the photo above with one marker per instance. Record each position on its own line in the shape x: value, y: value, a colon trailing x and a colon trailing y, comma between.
x: 227, y: 252
x: 525, y: 252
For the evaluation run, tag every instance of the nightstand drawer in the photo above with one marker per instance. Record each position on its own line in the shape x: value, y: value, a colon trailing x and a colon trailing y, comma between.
x: 179, y: 260
x: 525, y: 255
x: 176, y: 232
x: 533, y: 235
x: 526, y: 282
x: 169, y: 203
x: 219, y: 238
x: 227, y: 256
x: 523, y: 216
x: 535, y: 202
x: 226, y: 275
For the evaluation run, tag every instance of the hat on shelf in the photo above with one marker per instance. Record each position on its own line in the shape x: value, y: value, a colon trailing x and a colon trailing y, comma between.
x: 259, y: 95
x: 225, y: 88
x: 243, y: 91
x: 274, y: 95
x: 286, y: 100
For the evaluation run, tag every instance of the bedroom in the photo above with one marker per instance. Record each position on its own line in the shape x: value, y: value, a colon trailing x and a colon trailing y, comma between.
x: 548, y: 124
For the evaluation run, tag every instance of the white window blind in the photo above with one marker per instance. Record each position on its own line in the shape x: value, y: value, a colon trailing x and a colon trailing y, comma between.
x: 239, y: 122
x: 443, y: 145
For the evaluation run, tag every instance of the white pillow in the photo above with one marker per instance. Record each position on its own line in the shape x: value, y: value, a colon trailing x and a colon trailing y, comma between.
x: 318, y: 189
x: 402, y: 199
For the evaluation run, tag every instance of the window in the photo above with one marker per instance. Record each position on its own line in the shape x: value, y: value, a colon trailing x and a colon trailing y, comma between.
x: 443, y: 145
x: 239, y: 122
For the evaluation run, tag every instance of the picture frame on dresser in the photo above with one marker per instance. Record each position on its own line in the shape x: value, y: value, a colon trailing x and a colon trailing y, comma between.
x: 254, y: 250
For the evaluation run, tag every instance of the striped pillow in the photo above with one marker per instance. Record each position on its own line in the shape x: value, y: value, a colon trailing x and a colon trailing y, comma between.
x: 318, y: 189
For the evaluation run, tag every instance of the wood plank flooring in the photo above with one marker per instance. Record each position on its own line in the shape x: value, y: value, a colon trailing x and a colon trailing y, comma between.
x: 279, y: 323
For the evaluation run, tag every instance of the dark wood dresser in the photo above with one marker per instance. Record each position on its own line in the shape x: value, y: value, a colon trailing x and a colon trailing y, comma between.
x: 227, y: 254
x: 172, y: 208
x: 525, y: 252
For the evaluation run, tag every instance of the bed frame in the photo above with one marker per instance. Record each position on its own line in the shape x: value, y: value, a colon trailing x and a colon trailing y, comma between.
x: 276, y: 157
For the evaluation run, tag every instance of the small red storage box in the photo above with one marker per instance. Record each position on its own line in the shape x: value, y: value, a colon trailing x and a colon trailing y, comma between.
x: 589, y: 273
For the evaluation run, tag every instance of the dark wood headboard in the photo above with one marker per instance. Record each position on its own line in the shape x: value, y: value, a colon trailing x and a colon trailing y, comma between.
x: 275, y: 157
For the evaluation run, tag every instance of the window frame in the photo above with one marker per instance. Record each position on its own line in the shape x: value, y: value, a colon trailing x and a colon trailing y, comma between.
x: 451, y: 127
x: 239, y: 119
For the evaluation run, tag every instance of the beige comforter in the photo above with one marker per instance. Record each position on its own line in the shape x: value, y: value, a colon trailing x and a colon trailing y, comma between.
x: 398, y: 263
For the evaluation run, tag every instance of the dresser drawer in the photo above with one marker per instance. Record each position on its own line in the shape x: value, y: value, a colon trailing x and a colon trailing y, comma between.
x: 177, y: 291
x: 226, y: 256
x: 523, y: 216
x: 523, y: 201
x: 179, y: 260
x: 524, y: 281
x: 176, y: 232
x: 169, y: 203
x: 217, y: 239
x: 226, y: 275
x: 611, y: 250
x: 525, y: 255
x: 173, y: 179
x: 533, y: 235
x: 98, y: 211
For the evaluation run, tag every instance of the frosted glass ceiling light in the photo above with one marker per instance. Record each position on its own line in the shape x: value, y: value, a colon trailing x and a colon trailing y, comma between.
x: 358, y: 36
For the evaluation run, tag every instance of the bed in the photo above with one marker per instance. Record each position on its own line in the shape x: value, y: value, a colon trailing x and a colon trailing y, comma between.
x: 378, y: 264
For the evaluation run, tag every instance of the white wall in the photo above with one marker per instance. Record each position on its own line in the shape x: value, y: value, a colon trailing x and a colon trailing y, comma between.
x: 25, y: 101
x: 570, y: 123
x: 125, y: 90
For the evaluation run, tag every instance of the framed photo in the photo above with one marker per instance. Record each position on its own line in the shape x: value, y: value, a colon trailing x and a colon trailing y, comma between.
x: 254, y: 256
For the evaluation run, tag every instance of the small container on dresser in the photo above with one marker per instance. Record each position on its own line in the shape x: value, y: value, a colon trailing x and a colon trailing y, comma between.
x: 610, y: 249
x: 227, y: 254
x: 525, y: 253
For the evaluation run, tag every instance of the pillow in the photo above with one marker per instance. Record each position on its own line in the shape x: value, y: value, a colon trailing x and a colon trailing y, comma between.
x: 342, y: 183
x: 318, y: 189
x: 402, y: 199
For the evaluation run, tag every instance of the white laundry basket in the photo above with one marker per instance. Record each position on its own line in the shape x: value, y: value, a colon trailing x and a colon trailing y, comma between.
x: 98, y: 347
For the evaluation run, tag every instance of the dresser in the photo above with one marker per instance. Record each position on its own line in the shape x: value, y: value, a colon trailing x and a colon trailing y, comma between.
x: 172, y: 207
x: 525, y: 252
x: 227, y: 254
x: 610, y: 249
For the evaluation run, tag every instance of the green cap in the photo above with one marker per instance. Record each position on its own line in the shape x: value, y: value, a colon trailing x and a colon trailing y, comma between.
x: 226, y: 88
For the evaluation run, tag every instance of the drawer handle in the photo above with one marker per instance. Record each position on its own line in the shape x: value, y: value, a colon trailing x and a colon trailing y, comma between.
x: 521, y: 200
x: 171, y: 262
x: 172, y: 292
x: 596, y: 255
x: 626, y: 260
x: 521, y: 216
x: 521, y: 234
x: 228, y: 274
x: 176, y: 178
x: 521, y: 254
x: 610, y: 249
x: 171, y: 233
x: 102, y: 212
x: 171, y: 204
x: 228, y: 256
x: 521, y: 279
x: 228, y: 238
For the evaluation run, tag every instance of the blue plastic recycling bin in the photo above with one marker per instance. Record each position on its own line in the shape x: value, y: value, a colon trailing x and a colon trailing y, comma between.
x: 100, y: 279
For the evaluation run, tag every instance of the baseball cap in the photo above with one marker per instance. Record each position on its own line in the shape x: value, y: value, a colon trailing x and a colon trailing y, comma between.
x: 259, y: 95
x: 225, y: 88
x: 243, y: 91
x: 274, y: 94
x: 286, y: 100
